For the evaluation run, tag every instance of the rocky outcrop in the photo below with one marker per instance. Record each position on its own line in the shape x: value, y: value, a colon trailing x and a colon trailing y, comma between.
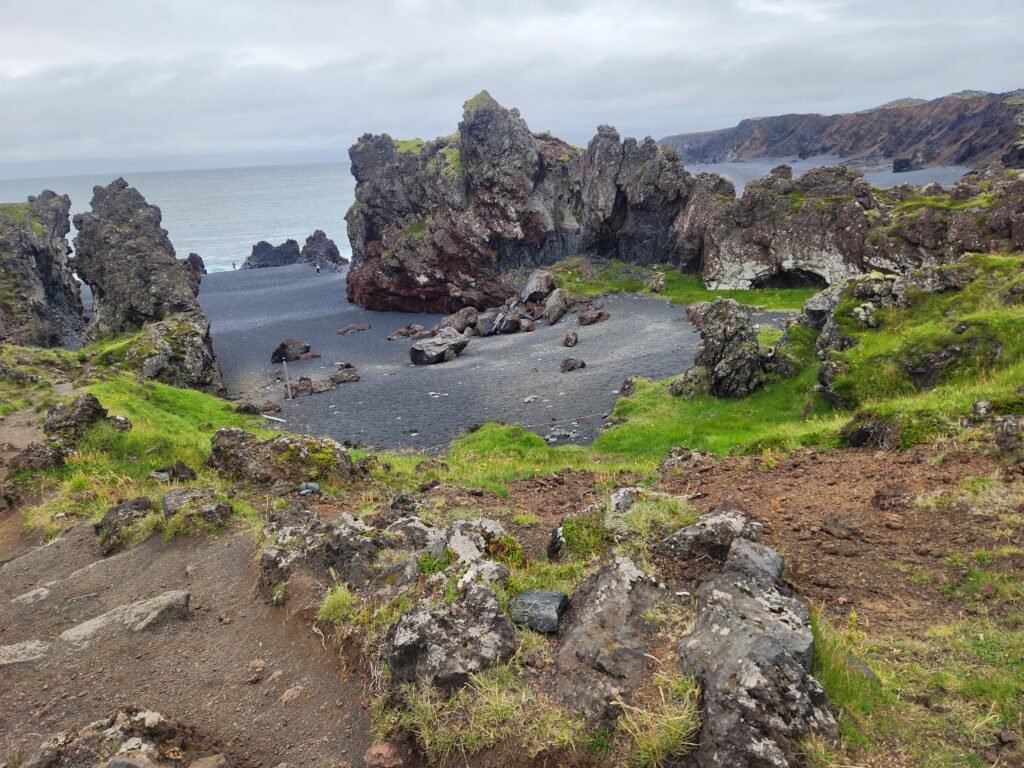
x: 751, y: 650
x: 320, y: 249
x: 969, y: 128
x: 444, y: 645
x: 727, y: 362
x: 435, y: 222
x: 40, y: 303
x: 266, y: 255
x: 240, y: 455
x: 125, y: 256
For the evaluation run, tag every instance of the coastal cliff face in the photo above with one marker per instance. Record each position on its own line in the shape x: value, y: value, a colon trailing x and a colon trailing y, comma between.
x: 127, y: 259
x: 40, y: 303
x: 969, y: 128
x: 125, y: 256
x: 435, y: 223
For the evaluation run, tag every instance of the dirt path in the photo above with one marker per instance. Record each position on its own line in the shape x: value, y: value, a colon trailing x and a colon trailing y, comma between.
x: 303, y: 710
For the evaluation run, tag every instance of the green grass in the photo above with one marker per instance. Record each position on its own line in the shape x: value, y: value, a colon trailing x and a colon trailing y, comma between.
x: 663, y: 729
x: 597, y: 277
x: 21, y: 212
x: 495, y: 708
x: 338, y: 606
x: 784, y: 414
x: 412, y: 146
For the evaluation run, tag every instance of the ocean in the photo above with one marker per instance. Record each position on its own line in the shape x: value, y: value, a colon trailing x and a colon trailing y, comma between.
x: 221, y: 213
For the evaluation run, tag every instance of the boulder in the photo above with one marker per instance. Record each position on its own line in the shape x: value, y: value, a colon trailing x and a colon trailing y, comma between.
x: 178, y: 351
x: 443, y: 645
x: 266, y: 255
x: 555, y: 307
x: 571, y: 339
x: 540, y: 285
x: 69, y: 421
x: 690, y: 383
x: 406, y: 331
x: 239, y: 455
x: 290, y: 350
x: 179, y: 471
x: 572, y: 364
x: 751, y: 651
x: 538, y: 609
x: 320, y: 249
x: 603, y: 650
x: 42, y: 305
x: 657, y: 283
x: 174, y: 501
x: 38, y: 456
x: 115, y: 526
x: 353, y: 328
x: 593, y: 316
x: 712, y: 536
x: 729, y: 349
x: 445, y: 346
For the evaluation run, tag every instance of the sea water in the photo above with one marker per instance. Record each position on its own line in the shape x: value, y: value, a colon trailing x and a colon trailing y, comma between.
x: 221, y: 213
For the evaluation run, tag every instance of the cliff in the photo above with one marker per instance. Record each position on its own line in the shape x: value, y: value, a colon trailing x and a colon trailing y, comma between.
x: 969, y: 128
x: 435, y: 223
x: 39, y: 297
x: 128, y: 260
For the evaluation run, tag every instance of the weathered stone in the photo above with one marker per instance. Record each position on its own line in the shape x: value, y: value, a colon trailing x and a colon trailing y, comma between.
x: 712, y: 535
x: 38, y: 456
x: 69, y: 421
x: 137, y: 617
x: 443, y: 347
x: 555, y: 307
x: 240, y: 455
x: 571, y: 339
x: 592, y: 316
x: 540, y: 285
x: 116, y: 523
x: 266, y: 255
x: 691, y: 383
x: 21, y: 653
x: 539, y: 609
x: 443, y: 645
x: 729, y: 349
x: 290, y: 350
x: 178, y: 471
x: 601, y: 657
x: 42, y: 306
x: 176, y: 500
x: 383, y: 754
x: 178, y: 351
x: 572, y: 364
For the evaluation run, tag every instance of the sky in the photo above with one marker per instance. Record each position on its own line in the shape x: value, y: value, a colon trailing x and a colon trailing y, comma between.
x: 153, y: 84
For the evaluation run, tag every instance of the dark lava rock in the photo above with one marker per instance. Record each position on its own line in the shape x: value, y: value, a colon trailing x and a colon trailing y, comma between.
x: 117, y: 521
x: 604, y: 647
x: 38, y: 456
x: 177, y: 471
x: 572, y: 364
x: 240, y: 455
x: 729, y: 349
x: 266, y: 255
x: 406, y: 331
x: 539, y: 609
x: 571, y: 339
x: 125, y: 256
x: 540, y: 285
x: 711, y: 537
x: 905, y: 165
x: 320, y: 249
x: 593, y: 316
x: 445, y: 346
x: 555, y: 307
x: 41, y: 305
x: 178, y: 351
x: 353, y: 328
x: 176, y: 500
x: 445, y: 644
x: 751, y: 651
x: 69, y: 421
x: 289, y: 350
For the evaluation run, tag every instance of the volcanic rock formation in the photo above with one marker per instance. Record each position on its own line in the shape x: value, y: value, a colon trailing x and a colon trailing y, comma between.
x: 39, y: 298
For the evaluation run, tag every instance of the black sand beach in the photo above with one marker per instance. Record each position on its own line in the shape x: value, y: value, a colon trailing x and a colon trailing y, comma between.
x: 397, y: 404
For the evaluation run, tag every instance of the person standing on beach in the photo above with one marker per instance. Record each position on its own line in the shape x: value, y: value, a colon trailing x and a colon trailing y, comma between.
x: 233, y: 265
x: 318, y: 267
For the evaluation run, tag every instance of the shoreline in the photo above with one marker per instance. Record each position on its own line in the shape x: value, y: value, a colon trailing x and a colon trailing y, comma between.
x: 510, y: 378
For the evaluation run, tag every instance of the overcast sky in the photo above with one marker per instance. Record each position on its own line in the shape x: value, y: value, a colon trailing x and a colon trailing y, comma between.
x: 152, y: 83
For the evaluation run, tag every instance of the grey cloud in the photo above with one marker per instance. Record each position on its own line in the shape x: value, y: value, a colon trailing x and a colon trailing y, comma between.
x: 119, y: 78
